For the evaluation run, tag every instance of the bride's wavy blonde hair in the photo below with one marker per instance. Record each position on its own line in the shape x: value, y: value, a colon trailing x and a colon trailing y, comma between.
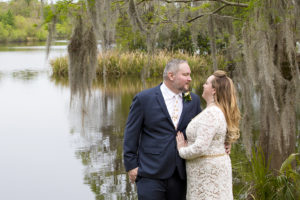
x: 225, y: 98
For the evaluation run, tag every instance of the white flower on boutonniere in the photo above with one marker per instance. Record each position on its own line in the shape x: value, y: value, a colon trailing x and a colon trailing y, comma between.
x: 187, y: 96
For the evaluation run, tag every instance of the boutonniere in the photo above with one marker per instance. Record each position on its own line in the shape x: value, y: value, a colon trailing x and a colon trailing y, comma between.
x: 187, y: 96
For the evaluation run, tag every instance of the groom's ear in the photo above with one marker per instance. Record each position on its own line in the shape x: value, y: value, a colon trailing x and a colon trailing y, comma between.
x: 171, y: 76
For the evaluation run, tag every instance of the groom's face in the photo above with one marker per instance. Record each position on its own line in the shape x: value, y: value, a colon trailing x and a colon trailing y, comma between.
x: 182, y: 78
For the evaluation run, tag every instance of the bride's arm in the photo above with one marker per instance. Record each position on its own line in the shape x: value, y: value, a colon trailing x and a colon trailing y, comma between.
x: 206, y: 130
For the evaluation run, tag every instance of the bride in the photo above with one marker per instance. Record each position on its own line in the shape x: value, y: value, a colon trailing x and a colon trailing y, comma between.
x: 208, y: 167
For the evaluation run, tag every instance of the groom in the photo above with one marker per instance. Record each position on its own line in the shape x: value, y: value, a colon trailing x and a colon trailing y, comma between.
x: 150, y: 154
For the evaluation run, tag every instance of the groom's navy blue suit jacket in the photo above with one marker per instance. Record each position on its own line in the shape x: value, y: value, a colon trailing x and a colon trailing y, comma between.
x: 150, y: 136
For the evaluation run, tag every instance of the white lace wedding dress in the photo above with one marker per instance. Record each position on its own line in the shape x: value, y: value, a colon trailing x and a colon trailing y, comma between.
x: 209, y: 174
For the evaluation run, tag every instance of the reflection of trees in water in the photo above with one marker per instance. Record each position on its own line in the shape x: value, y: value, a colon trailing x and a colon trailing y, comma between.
x: 24, y: 75
x: 97, y: 129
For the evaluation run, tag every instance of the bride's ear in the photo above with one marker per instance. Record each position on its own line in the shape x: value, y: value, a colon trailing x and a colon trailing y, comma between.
x: 213, y: 91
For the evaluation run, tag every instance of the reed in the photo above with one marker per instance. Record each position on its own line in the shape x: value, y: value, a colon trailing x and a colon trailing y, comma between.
x: 59, y: 67
x: 117, y: 63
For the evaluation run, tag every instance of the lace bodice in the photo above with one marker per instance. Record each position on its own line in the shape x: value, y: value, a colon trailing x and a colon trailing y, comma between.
x: 208, y: 177
x: 205, y: 134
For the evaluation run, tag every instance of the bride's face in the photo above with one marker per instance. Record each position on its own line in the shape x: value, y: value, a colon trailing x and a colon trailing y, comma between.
x: 208, y: 90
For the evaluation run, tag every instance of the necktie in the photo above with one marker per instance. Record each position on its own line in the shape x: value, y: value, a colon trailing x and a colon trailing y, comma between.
x: 175, y: 116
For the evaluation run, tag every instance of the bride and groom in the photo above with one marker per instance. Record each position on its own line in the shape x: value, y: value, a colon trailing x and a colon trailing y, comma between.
x: 172, y: 150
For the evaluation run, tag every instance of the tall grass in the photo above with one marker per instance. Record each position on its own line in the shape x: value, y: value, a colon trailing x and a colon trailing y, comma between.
x: 60, y: 66
x: 119, y: 63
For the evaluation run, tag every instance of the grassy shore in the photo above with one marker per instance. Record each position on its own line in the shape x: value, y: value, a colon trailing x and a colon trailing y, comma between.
x: 119, y: 63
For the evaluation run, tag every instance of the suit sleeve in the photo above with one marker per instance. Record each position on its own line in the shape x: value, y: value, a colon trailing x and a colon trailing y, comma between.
x: 132, y: 134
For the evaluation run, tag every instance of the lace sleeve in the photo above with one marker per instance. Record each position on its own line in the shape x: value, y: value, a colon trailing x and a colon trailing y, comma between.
x: 206, y: 128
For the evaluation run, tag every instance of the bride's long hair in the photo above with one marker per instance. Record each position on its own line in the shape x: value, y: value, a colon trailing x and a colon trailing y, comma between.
x: 225, y: 98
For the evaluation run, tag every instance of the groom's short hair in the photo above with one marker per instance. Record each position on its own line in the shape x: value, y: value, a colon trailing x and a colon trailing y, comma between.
x: 172, y: 66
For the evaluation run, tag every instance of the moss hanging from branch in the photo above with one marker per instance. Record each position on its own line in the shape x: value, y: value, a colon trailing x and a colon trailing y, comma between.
x: 270, y: 53
x: 82, y: 51
x: 51, y: 33
x: 212, y: 42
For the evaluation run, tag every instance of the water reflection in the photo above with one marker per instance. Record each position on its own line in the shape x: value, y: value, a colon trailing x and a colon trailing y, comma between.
x: 25, y: 75
x: 97, y: 126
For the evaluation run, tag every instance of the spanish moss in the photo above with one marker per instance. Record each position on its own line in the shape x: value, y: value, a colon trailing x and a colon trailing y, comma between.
x: 82, y: 51
x: 270, y: 57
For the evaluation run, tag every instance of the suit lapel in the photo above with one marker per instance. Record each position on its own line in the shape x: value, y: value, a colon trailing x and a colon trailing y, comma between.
x: 184, y: 110
x: 184, y: 106
x: 162, y: 104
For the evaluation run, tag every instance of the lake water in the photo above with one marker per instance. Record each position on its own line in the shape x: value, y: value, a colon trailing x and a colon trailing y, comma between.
x: 49, y: 149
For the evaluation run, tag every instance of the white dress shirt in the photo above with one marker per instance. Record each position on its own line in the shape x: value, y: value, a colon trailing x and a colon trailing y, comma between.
x: 173, y: 102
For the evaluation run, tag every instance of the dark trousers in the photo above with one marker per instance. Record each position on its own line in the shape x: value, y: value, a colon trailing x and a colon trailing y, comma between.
x: 173, y: 188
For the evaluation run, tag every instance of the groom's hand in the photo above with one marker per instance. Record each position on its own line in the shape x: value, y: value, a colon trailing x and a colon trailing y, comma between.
x: 227, y: 148
x: 133, y: 174
x: 181, y: 142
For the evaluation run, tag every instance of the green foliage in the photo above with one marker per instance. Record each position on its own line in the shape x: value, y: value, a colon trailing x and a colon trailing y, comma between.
x: 4, y: 33
x: 181, y: 40
x: 19, y: 21
x: 48, y: 14
x: 26, y: 8
x: 22, y: 29
x: 62, y: 12
x: 126, y: 37
x: 203, y: 44
x: 262, y: 183
x: 8, y: 18
x: 41, y: 34
x: 63, y: 30
x: 205, y: 5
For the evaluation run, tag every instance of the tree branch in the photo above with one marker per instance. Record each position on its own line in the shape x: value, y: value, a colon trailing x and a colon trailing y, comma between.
x: 233, y: 3
x: 140, y: 2
x: 135, y: 17
x: 211, y: 13
x: 226, y: 16
x: 166, y: 21
x: 222, y: 1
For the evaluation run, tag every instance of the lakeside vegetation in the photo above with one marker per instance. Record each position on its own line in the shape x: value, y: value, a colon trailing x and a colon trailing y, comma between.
x: 26, y: 21
x: 118, y: 63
